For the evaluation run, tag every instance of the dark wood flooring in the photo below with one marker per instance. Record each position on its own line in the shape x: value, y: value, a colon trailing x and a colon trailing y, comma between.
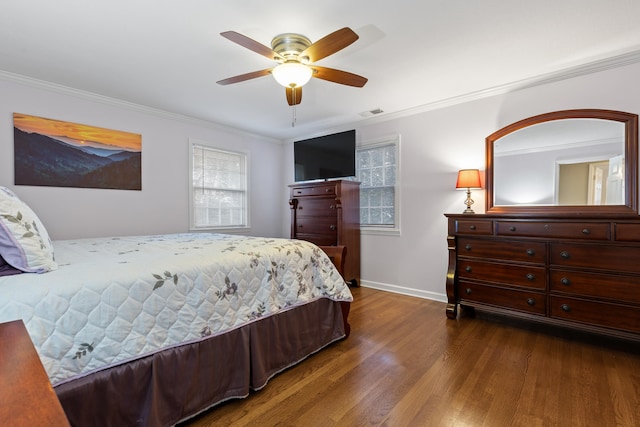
x: 406, y: 364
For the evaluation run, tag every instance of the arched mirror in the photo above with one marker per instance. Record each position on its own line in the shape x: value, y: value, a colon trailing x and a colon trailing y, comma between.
x: 565, y: 162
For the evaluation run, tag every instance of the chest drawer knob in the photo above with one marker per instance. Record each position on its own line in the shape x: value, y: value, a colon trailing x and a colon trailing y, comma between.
x: 468, y: 291
x: 565, y: 255
x: 468, y: 269
x: 565, y: 281
x: 332, y: 227
x: 531, y: 277
x: 531, y: 252
x: 566, y: 308
x: 586, y: 231
x: 467, y: 247
x: 531, y: 301
x: 472, y: 227
x: 512, y: 228
x: 332, y: 206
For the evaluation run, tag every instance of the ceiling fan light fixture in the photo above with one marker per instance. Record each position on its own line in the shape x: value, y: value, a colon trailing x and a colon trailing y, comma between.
x: 292, y: 74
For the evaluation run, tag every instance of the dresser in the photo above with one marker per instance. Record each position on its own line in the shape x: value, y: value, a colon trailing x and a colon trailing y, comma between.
x: 327, y: 213
x: 576, y: 271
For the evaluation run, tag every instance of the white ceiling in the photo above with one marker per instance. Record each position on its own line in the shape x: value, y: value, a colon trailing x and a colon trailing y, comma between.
x: 168, y: 54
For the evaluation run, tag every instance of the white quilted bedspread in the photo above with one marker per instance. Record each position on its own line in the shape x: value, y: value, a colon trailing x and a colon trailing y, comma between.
x: 116, y: 299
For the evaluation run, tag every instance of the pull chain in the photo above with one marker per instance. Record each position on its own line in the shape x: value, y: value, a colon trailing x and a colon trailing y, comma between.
x: 293, y: 118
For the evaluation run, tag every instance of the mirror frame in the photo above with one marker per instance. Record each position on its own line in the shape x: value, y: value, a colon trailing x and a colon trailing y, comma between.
x: 631, y: 166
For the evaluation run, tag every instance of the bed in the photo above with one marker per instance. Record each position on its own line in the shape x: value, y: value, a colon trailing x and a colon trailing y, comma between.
x: 152, y: 330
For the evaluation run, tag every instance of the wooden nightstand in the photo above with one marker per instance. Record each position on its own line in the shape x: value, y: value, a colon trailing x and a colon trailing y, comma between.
x: 26, y: 395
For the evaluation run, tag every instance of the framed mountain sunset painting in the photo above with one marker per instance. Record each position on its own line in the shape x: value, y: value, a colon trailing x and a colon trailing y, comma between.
x: 56, y: 153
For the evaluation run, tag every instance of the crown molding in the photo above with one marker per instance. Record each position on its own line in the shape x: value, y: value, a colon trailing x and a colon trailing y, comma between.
x: 119, y: 103
x: 542, y: 79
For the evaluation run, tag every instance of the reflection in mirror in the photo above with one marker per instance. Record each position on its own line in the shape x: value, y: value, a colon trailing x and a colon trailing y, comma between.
x: 562, y: 162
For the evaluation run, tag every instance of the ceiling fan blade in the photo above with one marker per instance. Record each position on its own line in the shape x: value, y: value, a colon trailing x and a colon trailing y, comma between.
x: 338, y: 76
x: 243, y: 77
x: 330, y: 44
x: 298, y: 95
x: 251, y: 44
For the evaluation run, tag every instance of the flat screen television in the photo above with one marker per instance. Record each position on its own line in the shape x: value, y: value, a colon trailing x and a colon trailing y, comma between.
x: 325, y: 157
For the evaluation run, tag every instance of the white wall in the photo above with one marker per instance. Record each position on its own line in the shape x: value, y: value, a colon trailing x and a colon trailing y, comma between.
x: 436, y: 144
x: 162, y: 205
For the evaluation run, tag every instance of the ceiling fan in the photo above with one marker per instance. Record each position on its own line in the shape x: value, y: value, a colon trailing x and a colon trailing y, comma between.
x: 295, y: 55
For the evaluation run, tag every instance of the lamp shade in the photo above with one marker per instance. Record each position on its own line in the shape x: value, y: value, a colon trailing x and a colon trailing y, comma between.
x: 468, y: 178
x: 292, y: 74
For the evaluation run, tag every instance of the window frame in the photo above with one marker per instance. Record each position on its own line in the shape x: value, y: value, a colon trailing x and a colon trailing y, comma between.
x: 380, y: 229
x: 196, y: 143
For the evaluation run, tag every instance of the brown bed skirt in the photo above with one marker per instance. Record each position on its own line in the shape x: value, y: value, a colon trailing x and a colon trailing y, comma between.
x: 178, y: 383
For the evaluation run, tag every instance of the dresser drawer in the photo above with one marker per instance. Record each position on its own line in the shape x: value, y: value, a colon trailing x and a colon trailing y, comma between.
x: 613, y: 287
x: 468, y: 226
x: 318, y: 239
x: 317, y: 225
x: 516, y: 275
x: 525, y: 301
x: 317, y: 206
x: 627, y: 232
x: 605, y: 257
x: 316, y: 190
x: 555, y: 229
x: 617, y: 316
x: 533, y: 252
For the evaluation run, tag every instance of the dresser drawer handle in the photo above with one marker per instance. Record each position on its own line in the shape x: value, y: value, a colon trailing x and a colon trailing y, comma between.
x: 467, y: 247
x: 531, y: 301
x: 468, y: 269
x: 332, y: 206
x: 565, y: 255
x: 566, y: 308
x: 565, y: 281
x: 332, y: 227
x: 531, y: 252
x: 531, y: 277
x: 328, y: 190
x: 586, y: 231
x: 468, y: 291
x: 472, y: 227
x: 512, y: 228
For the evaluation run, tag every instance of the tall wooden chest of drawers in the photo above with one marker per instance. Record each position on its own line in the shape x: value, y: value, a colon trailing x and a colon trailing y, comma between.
x: 577, y: 272
x: 327, y: 213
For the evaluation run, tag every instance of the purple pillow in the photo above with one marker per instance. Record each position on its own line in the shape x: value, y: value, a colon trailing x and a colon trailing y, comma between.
x: 6, y: 269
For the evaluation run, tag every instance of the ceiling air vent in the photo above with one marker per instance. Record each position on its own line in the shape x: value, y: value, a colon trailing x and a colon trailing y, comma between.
x: 372, y: 112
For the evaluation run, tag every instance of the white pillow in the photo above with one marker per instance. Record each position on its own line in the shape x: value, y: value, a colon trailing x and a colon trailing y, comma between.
x: 24, y: 242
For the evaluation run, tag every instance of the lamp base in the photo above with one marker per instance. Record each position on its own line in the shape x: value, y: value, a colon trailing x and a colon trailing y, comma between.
x: 468, y: 202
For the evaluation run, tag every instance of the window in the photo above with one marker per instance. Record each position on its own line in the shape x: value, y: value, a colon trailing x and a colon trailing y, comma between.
x: 377, y: 170
x: 218, y: 188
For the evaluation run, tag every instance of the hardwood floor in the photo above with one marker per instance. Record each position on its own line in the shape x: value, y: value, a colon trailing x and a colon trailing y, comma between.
x: 405, y: 364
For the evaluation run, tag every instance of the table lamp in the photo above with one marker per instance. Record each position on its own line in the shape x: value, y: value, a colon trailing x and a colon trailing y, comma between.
x: 468, y: 178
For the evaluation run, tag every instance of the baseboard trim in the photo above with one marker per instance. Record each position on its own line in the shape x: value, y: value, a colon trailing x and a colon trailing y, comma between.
x: 434, y: 296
